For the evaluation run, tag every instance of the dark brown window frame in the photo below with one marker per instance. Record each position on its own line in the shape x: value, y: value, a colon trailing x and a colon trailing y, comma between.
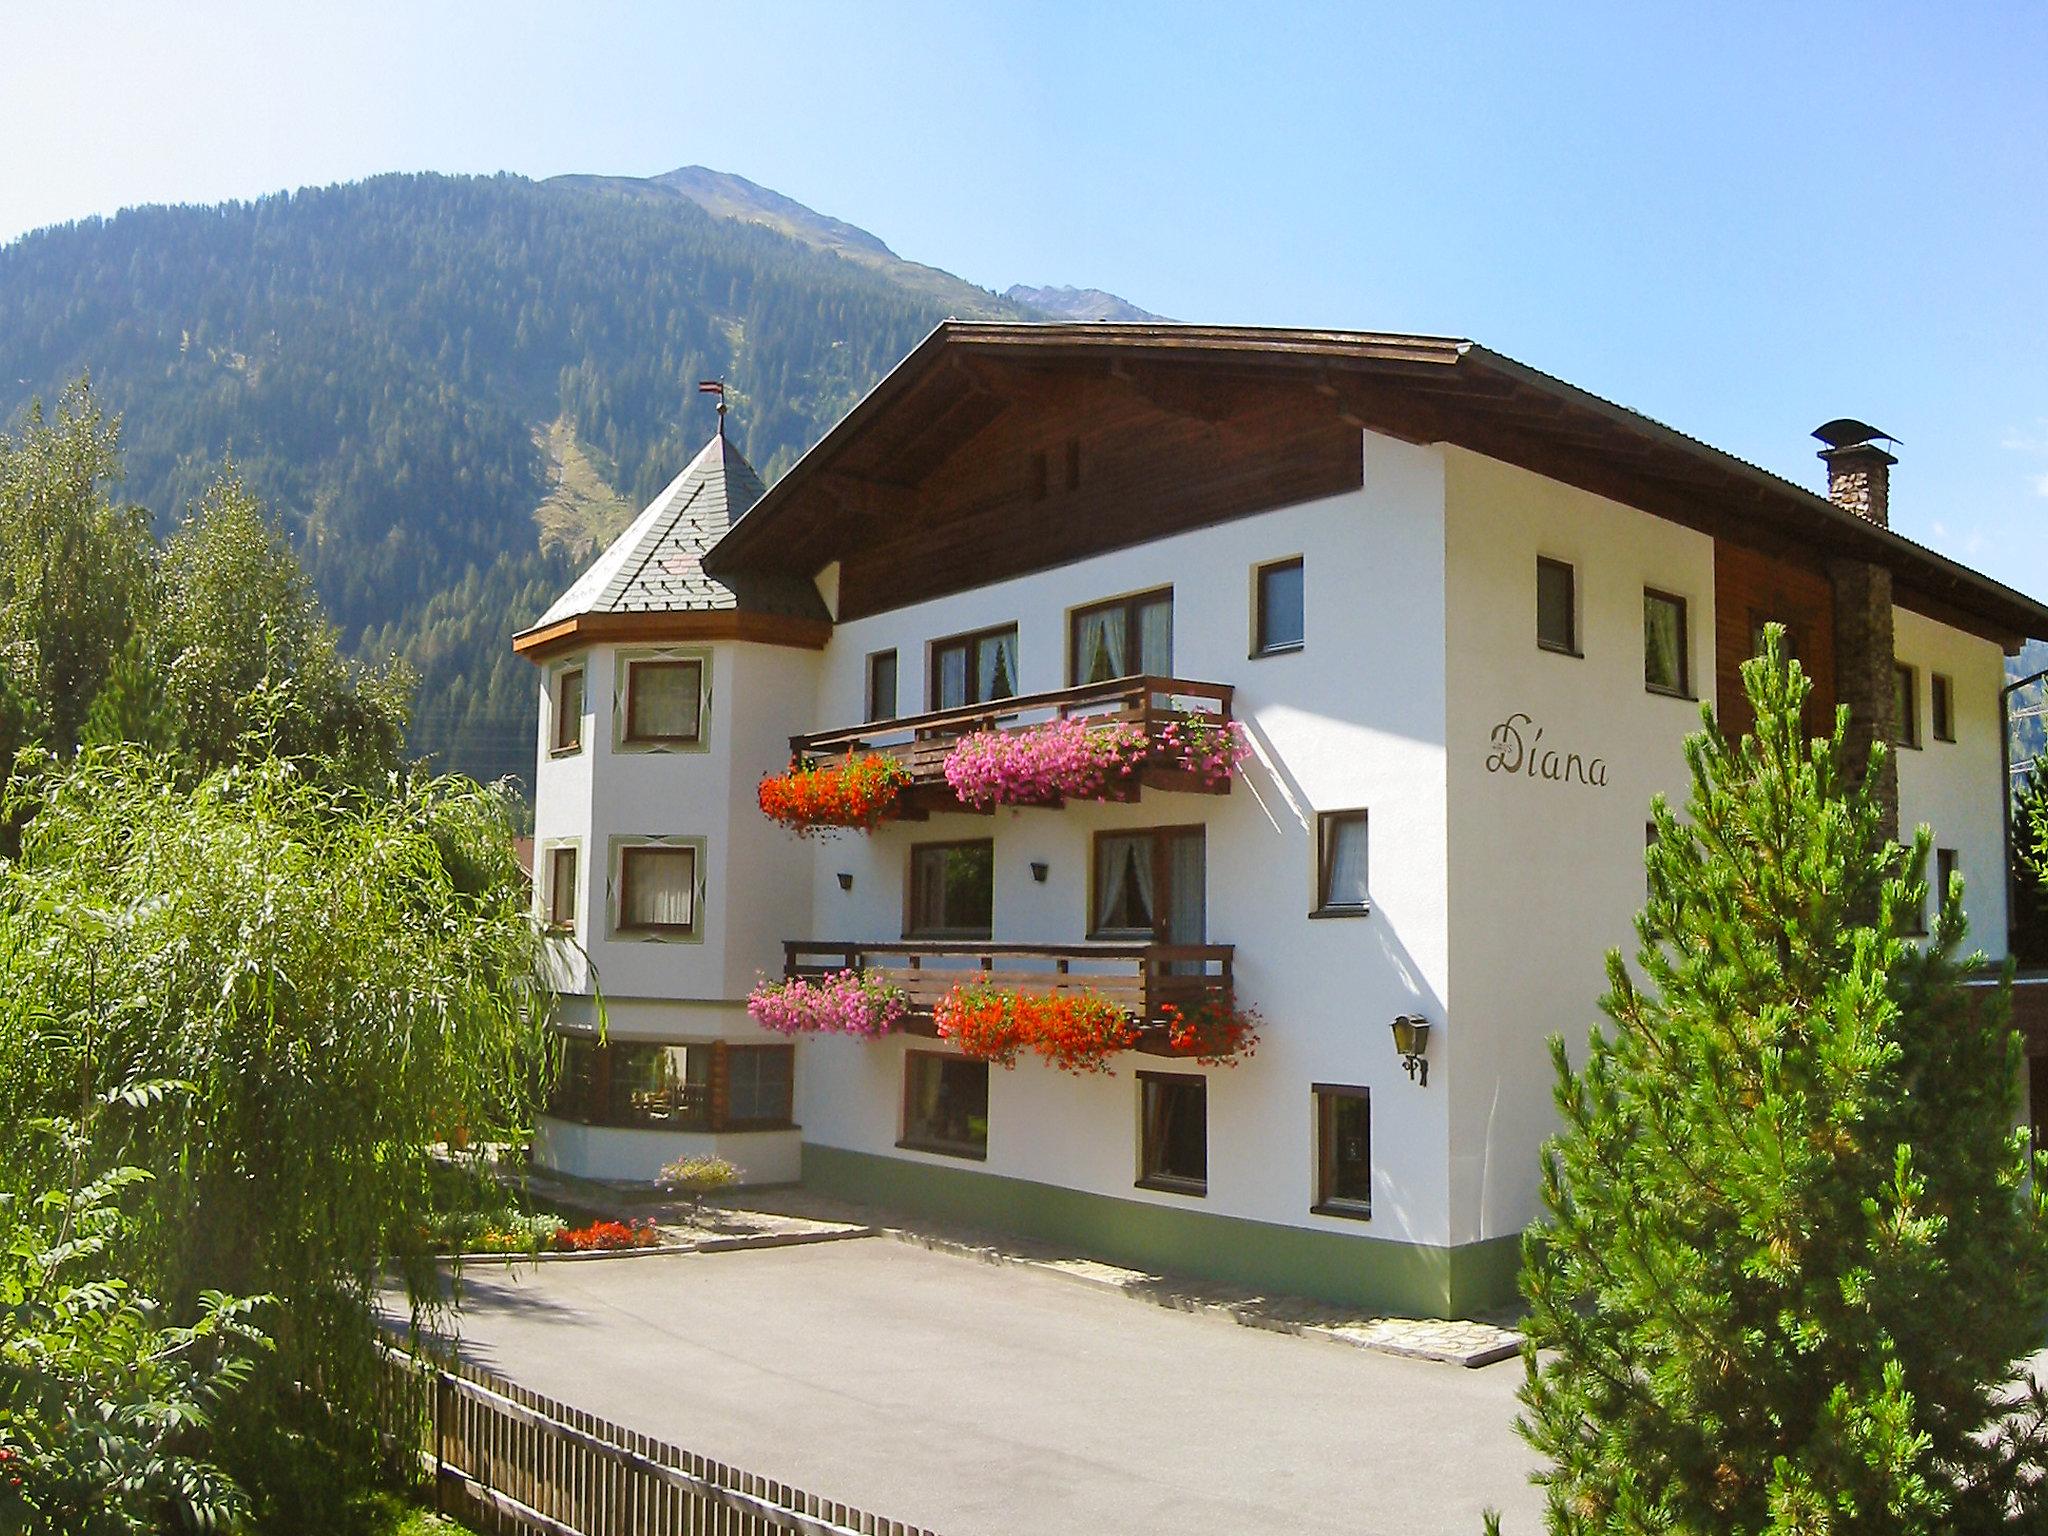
x: 1941, y: 722
x: 722, y: 1117
x: 565, y: 744
x: 1684, y: 690
x: 715, y: 1116
x: 911, y: 930
x: 1162, y: 876
x: 626, y: 856
x: 1574, y: 646
x: 1133, y: 627
x: 1261, y: 646
x: 1325, y: 820
x: 1170, y: 1183
x: 1906, y: 732
x: 1327, y: 1204
x: 557, y: 923
x: 968, y: 640
x: 965, y: 1150
x: 637, y: 738
x: 1947, y: 862
x: 876, y: 714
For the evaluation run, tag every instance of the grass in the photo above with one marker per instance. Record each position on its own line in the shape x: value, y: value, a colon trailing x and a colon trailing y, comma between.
x: 394, y: 1515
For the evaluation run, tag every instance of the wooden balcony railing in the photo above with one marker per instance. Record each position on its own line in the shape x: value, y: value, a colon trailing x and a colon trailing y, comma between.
x: 1143, y: 978
x: 921, y: 742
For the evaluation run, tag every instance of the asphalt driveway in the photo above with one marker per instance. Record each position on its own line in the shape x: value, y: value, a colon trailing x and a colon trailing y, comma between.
x: 984, y: 1400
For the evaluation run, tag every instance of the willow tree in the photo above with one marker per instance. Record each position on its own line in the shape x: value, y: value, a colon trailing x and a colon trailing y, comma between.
x: 343, y: 976
x: 1791, y: 1256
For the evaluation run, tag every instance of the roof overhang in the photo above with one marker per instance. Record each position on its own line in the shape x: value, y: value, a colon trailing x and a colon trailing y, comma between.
x: 663, y: 628
x: 1424, y: 389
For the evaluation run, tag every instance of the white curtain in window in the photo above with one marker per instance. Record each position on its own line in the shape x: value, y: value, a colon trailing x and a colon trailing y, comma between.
x: 1187, y: 919
x: 661, y: 887
x: 1124, y: 883
x: 1099, y: 647
x: 1155, y: 638
x: 1662, y: 626
x: 666, y: 695
x: 998, y: 666
x: 952, y: 663
x: 1344, y: 870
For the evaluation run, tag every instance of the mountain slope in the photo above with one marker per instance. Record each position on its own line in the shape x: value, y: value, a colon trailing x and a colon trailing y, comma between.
x: 1078, y: 304
x: 424, y: 374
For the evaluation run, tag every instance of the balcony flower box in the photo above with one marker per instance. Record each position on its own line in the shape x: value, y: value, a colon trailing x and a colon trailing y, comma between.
x: 859, y: 792
x: 1211, y: 749
x: 1042, y: 764
x: 846, y: 1003
x: 1216, y: 1033
x: 1077, y: 1032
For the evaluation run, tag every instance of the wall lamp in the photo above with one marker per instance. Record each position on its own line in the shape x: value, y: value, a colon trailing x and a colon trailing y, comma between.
x: 1039, y: 870
x: 1411, y: 1039
x: 846, y: 879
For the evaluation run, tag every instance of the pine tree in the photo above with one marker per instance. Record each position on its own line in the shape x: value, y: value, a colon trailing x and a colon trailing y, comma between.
x: 1791, y: 1257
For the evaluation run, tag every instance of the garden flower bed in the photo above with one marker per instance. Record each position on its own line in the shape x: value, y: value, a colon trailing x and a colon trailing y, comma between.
x: 846, y: 1003
x: 606, y: 1236
x: 859, y: 792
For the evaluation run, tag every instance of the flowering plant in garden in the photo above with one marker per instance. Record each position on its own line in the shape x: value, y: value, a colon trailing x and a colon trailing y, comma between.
x: 845, y: 1003
x: 601, y: 1236
x: 1205, y: 745
x: 1075, y: 1031
x: 1217, y: 1033
x: 858, y: 792
x: 1042, y: 763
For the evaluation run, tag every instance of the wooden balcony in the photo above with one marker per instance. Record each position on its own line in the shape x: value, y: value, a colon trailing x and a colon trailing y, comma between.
x: 921, y: 742
x: 1144, y: 978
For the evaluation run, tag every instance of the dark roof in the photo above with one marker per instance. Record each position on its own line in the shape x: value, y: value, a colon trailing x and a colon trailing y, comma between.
x: 1424, y: 388
x: 656, y: 565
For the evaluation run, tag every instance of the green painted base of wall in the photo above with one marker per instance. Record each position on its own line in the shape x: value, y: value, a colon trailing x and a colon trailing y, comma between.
x: 1376, y: 1274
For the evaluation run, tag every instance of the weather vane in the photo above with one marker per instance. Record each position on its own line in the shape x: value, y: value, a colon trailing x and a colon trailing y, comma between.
x: 715, y: 387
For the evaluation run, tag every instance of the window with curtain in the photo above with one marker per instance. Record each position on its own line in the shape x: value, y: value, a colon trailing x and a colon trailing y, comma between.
x: 945, y: 1104
x: 882, y: 686
x: 562, y: 889
x: 974, y: 669
x: 658, y: 890
x: 758, y: 1084
x: 952, y: 890
x: 1279, y: 622
x: 1665, y: 660
x: 1557, y: 606
x: 1340, y: 863
x: 1151, y: 884
x: 568, y: 710
x: 664, y: 701
x: 1122, y: 638
x: 1173, y: 1112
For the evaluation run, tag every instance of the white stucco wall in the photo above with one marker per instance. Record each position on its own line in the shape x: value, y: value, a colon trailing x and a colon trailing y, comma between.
x: 638, y: 1156
x: 1353, y: 720
x: 1546, y: 876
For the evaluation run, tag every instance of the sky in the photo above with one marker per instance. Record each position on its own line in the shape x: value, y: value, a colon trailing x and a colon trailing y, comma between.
x: 1743, y: 220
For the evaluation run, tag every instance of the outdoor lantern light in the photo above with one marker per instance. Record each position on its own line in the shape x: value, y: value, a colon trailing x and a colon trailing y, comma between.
x: 1411, y: 1039
x: 1039, y: 870
x: 846, y: 879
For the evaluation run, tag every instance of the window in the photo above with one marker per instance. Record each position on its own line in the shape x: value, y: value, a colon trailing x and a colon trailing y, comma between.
x: 561, y: 893
x: 973, y: 669
x: 1279, y: 617
x: 945, y: 1104
x: 1666, y: 664
x: 1340, y: 864
x: 1150, y: 885
x: 952, y: 890
x: 1343, y: 1151
x: 1941, y: 712
x: 758, y: 1082
x: 658, y: 890
x: 1124, y: 638
x: 568, y: 710
x: 1173, y: 1115
x: 882, y: 686
x: 1947, y: 865
x: 1557, y: 606
x: 634, y: 1084
x: 664, y: 702
x: 1905, y: 707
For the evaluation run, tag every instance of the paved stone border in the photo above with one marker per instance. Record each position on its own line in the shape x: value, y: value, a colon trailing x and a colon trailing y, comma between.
x: 702, y: 1245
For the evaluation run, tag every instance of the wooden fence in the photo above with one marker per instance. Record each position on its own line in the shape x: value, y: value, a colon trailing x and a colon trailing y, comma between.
x: 519, y: 1462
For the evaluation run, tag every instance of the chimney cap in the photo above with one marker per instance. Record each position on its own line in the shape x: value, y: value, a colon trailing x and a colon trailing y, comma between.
x: 1848, y: 432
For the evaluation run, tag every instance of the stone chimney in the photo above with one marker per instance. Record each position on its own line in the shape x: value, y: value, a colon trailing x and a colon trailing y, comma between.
x: 1859, y: 472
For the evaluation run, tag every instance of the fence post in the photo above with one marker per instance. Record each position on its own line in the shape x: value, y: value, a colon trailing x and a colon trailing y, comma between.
x: 440, y: 1442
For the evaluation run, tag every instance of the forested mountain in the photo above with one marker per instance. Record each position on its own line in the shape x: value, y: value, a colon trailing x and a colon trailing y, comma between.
x: 450, y: 388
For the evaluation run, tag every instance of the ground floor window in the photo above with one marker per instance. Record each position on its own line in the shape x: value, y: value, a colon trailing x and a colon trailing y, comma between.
x: 945, y: 1104
x: 2037, y: 1100
x: 1343, y: 1150
x: 1173, y: 1132
x: 665, y: 1086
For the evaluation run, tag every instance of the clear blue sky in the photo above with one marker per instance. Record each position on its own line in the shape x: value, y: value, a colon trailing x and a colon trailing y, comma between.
x: 1741, y: 220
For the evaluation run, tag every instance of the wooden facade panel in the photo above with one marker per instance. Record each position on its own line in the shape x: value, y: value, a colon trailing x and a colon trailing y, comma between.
x: 1750, y: 588
x: 1123, y: 471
